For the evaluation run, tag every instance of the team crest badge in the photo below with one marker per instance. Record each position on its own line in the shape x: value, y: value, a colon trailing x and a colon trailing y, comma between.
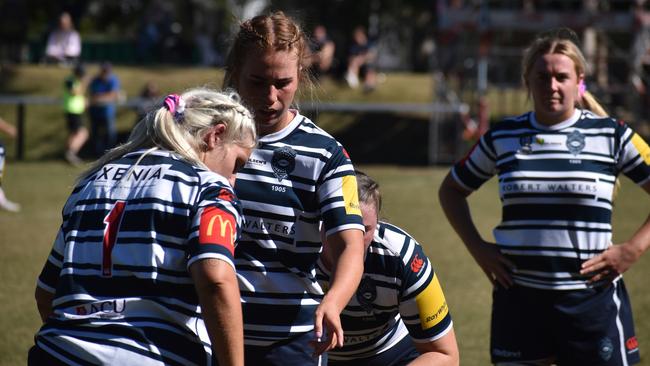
x: 575, y: 142
x: 525, y: 142
x: 605, y: 348
x: 283, y: 162
x: 366, y: 293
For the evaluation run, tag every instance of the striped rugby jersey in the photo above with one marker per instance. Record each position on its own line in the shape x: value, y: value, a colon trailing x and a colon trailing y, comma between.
x: 399, y: 295
x: 292, y: 180
x: 556, y: 185
x: 119, y: 264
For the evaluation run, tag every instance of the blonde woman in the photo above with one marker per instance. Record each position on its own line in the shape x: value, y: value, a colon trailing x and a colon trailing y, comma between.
x: 141, y: 271
x: 558, y: 292
x: 296, y: 177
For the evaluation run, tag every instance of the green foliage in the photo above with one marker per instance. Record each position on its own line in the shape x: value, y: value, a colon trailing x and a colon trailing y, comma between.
x: 410, y: 201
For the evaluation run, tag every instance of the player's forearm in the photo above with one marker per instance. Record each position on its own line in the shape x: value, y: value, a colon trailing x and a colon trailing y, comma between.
x: 454, y: 204
x: 640, y: 241
x: 225, y: 325
x: 219, y: 297
x: 347, y: 266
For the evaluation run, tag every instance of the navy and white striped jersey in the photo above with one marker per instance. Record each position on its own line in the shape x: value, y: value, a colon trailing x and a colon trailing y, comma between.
x: 557, y: 186
x: 294, y: 179
x: 119, y: 264
x: 399, y: 295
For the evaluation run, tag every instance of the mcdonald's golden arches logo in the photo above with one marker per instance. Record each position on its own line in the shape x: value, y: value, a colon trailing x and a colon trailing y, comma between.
x: 218, y: 227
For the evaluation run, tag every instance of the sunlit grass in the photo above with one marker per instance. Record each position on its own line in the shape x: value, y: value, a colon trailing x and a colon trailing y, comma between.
x: 410, y: 201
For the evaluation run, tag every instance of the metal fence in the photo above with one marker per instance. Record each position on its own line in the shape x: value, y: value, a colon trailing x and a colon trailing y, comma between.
x: 438, y: 114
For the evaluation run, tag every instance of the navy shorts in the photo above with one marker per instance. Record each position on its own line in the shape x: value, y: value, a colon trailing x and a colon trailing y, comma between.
x: 400, y: 354
x: 574, y: 327
x: 294, y: 351
x: 75, y: 121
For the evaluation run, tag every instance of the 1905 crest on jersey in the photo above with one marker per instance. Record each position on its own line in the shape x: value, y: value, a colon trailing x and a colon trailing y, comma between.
x: 575, y: 142
x: 283, y: 162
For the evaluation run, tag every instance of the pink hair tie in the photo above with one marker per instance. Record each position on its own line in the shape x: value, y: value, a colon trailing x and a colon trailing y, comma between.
x: 582, y: 88
x: 175, y: 105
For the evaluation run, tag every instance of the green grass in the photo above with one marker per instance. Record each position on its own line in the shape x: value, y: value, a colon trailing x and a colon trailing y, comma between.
x: 410, y: 201
x: 41, y: 189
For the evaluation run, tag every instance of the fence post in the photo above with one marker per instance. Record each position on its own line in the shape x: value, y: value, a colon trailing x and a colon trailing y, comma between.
x: 434, y: 136
x: 20, y: 138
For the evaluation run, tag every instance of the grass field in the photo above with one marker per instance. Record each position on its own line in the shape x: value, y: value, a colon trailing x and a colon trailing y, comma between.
x: 410, y: 202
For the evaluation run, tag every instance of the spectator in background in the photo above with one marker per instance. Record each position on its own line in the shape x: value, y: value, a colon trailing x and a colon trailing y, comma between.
x: 322, y: 51
x: 64, y: 43
x: 5, y: 204
x: 148, y: 98
x: 361, y: 61
x: 103, y: 94
x: 74, y: 106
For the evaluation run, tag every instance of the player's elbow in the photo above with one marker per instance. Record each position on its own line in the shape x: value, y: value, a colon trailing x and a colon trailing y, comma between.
x: 450, y: 192
x: 217, y: 285
x: 213, y: 277
x: 452, y: 357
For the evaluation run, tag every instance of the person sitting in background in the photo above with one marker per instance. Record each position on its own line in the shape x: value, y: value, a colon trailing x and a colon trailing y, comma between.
x: 158, y: 287
x: 64, y: 43
x: 322, y: 51
x: 103, y: 93
x: 5, y: 204
x: 361, y: 61
x: 399, y: 296
x: 74, y: 105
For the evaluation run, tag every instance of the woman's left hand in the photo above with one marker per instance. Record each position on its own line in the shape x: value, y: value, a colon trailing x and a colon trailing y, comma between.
x: 611, y: 263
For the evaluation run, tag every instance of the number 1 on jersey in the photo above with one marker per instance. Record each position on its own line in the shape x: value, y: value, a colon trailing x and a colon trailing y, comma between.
x: 112, y: 221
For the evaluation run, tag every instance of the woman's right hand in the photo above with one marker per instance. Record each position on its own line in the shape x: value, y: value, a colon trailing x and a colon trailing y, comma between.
x: 495, y: 265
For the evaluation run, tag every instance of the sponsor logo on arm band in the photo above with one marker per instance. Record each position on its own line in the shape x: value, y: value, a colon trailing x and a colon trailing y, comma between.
x: 351, y: 195
x: 431, y: 304
x: 218, y: 227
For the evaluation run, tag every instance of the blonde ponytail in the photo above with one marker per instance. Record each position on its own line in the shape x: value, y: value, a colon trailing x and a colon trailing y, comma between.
x: 183, y: 132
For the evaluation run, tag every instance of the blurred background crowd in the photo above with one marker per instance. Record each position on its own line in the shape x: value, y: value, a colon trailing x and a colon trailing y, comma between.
x: 467, y: 45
